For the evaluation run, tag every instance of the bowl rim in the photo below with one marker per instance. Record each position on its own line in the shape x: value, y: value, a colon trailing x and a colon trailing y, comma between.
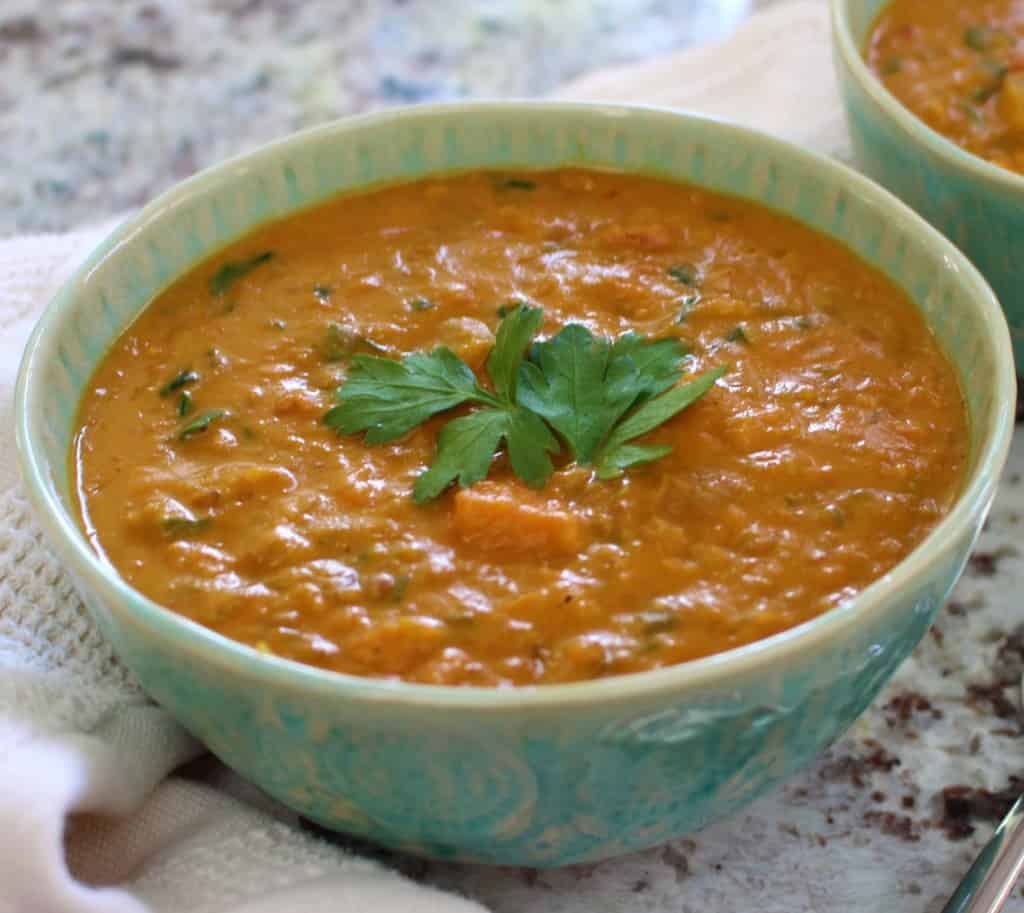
x: 935, y: 142
x: 205, y: 645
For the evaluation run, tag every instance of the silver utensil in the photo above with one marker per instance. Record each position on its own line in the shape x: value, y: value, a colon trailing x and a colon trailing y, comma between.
x: 990, y: 879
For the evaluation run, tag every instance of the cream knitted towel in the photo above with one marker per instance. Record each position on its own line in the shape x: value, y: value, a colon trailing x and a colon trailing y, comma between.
x: 78, y: 738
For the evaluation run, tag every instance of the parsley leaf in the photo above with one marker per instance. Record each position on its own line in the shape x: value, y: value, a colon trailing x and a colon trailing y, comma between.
x: 514, y: 335
x: 566, y: 383
x: 529, y: 443
x: 387, y: 398
x: 465, y: 448
x: 234, y: 270
x: 627, y: 455
x: 582, y: 385
x: 508, y: 307
x: 617, y: 454
x: 659, y: 362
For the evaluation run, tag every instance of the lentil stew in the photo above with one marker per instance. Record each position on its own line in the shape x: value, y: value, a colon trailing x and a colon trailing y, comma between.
x: 208, y: 476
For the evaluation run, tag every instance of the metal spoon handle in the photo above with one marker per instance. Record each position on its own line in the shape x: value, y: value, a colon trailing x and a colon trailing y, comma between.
x: 990, y: 879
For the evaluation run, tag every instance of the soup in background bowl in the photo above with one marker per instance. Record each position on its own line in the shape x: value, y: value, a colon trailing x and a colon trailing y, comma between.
x: 930, y: 91
x: 565, y: 770
x: 960, y: 68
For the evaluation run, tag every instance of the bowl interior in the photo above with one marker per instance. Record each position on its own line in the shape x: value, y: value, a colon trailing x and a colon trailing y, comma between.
x: 203, y: 214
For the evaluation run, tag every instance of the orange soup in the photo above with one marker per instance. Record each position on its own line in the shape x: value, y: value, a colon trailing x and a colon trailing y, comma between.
x: 215, y: 474
x: 959, y: 66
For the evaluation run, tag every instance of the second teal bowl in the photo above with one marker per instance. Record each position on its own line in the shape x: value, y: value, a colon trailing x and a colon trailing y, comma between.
x: 977, y: 205
x: 532, y: 776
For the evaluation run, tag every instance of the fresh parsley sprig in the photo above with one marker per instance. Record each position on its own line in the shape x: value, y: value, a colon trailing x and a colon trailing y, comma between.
x: 597, y: 395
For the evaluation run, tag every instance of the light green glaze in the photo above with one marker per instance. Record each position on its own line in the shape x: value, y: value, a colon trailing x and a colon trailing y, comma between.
x: 538, y: 776
x: 977, y: 205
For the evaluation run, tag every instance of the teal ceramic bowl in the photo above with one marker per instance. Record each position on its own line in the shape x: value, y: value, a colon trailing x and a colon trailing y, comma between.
x: 545, y: 775
x: 977, y: 205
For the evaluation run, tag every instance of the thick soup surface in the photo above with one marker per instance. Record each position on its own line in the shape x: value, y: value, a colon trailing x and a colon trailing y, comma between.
x: 959, y: 66
x: 831, y: 448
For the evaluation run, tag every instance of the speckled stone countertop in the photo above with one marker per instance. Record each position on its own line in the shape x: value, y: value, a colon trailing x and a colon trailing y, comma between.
x: 103, y: 103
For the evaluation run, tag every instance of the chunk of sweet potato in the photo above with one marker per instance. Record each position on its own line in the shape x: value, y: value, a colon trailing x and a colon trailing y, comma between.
x: 512, y: 518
